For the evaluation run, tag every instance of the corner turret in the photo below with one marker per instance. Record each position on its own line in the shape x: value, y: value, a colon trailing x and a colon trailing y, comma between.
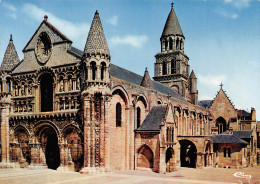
x: 146, y: 81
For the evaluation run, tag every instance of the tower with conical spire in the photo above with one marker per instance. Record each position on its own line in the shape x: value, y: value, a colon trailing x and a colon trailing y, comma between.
x: 172, y: 67
x: 96, y: 97
x: 96, y: 58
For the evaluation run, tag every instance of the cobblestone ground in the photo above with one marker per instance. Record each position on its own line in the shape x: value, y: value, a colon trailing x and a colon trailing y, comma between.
x: 185, y: 175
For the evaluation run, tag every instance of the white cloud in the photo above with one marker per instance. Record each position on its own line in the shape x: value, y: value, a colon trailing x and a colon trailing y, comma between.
x: 227, y: 14
x: 239, y: 3
x: 210, y: 80
x: 113, y: 20
x: 11, y: 9
x: 132, y: 40
x: 77, y: 32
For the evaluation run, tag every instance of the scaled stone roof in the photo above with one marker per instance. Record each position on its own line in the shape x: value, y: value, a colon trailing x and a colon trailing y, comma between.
x: 96, y: 41
x: 11, y: 58
x: 243, y: 134
x: 227, y: 139
x: 172, y: 25
x: 146, y: 81
x: 154, y: 119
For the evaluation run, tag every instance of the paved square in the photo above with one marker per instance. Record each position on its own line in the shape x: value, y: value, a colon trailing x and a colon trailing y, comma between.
x: 185, y: 175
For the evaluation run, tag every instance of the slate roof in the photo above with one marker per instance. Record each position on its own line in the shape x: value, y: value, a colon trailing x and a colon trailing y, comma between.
x: 243, y: 134
x: 154, y: 119
x: 205, y: 103
x: 136, y: 79
x: 172, y: 25
x: 227, y: 139
x: 11, y: 58
x: 244, y: 113
x: 96, y: 41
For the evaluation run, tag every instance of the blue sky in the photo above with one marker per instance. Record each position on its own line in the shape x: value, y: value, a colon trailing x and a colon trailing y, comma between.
x: 222, y: 36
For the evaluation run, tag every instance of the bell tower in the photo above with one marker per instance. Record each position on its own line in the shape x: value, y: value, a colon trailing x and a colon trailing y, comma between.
x: 171, y: 67
x: 96, y: 98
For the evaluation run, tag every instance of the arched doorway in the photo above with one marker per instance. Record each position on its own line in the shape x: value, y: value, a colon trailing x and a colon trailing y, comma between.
x: 169, y: 159
x: 46, y: 87
x: 221, y: 124
x: 48, y: 138
x: 145, y: 157
x: 188, y: 154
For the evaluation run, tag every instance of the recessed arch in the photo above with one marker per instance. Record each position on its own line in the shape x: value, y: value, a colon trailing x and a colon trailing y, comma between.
x: 46, y: 92
x: 145, y: 157
x: 122, y: 93
x: 188, y: 155
x: 22, y: 136
x: 143, y: 99
x: 221, y: 124
x: 74, y: 140
x: 48, y: 138
x: 176, y: 88
x: 169, y: 159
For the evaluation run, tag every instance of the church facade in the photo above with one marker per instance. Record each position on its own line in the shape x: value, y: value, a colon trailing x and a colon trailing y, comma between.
x: 70, y: 109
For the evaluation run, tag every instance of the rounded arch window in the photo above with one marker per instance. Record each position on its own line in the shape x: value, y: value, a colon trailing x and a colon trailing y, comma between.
x: 138, y: 122
x: 8, y: 84
x: 118, y: 114
x: 93, y: 69
x: 103, y: 71
x: 46, y: 90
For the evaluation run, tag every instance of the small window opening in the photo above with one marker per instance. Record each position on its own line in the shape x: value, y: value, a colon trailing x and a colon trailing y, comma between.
x: 118, y: 114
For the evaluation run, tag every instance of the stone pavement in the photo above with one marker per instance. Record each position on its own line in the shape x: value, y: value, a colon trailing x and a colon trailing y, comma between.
x: 184, y: 175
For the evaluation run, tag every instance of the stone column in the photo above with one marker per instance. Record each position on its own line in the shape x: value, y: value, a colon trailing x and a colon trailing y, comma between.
x: 107, y: 131
x: 87, y: 136
x: 93, y: 133
x: 98, y: 73
x: 4, y: 85
x: 5, y: 111
x: 102, y: 133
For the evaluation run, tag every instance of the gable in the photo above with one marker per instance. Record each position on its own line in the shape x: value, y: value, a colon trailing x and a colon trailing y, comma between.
x: 61, y: 50
x: 55, y: 35
x: 222, y: 107
x: 169, y: 115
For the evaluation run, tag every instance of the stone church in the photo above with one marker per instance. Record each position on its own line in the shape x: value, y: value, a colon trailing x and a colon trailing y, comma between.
x: 71, y: 109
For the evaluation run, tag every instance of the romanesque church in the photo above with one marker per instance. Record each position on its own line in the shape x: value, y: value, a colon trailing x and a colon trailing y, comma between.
x: 70, y: 108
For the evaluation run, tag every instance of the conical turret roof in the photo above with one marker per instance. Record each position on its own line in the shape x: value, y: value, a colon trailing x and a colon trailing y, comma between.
x: 11, y: 58
x: 96, y: 41
x: 192, y: 75
x: 147, y: 81
x: 172, y: 25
